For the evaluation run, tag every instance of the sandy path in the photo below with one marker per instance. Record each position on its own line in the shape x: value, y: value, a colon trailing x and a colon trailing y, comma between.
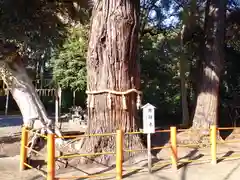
x: 225, y: 170
x: 229, y: 170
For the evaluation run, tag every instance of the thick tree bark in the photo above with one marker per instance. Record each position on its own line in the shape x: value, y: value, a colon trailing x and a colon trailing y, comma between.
x: 33, y: 111
x: 206, y: 112
x: 112, y: 64
x: 189, y: 21
x: 184, y: 100
x: 23, y: 91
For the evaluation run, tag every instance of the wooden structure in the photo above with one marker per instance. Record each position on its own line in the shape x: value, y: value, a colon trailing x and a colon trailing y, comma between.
x: 53, y: 92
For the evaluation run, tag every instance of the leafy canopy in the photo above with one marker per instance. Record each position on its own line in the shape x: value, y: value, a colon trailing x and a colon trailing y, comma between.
x: 69, y: 60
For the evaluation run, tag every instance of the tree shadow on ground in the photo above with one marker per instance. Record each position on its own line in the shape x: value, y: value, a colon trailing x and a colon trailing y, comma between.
x: 99, y: 172
x: 231, y: 172
x: 10, y: 139
x: 162, y: 167
x: 73, y: 167
x: 76, y: 168
x: 185, y: 165
x: 112, y: 167
x: 159, y: 139
x: 191, y: 156
x: 138, y: 169
x: 3, y: 156
x: 229, y: 153
x: 36, y: 163
x: 161, y: 177
x: 38, y: 177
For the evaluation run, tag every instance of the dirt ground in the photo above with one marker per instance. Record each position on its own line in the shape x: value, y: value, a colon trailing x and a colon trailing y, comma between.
x: 199, y: 169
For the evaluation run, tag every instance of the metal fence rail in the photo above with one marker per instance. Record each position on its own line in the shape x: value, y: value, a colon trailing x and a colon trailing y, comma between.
x: 174, y: 161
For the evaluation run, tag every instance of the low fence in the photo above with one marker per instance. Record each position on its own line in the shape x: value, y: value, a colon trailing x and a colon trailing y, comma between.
x: 119, y: 136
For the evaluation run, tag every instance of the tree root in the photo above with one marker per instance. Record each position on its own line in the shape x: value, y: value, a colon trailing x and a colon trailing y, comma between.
x: 32, y: 143
x: 104, y: 149
x: 196, y: 137
x: 36, y: 140
x: 234, y: 135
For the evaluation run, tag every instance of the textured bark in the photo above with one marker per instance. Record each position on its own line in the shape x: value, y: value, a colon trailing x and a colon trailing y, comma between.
x: 112, y: 64
x: 206, y: 112
x: 189, y: 24
x: 184, y: 100
x: 33, y: 111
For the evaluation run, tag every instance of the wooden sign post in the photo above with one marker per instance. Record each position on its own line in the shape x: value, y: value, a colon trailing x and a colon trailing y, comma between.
x: 148, y: 128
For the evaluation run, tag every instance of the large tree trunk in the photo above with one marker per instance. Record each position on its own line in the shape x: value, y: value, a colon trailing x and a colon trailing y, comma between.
x: 112, y: 65
x: 15, y: 76
x: 189, y: 20
x: 206, y: 112
x: 184, y: 95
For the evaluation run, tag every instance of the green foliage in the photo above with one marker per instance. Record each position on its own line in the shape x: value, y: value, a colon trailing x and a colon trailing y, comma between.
x: 36, y: 26
x: 69, y: 60
x: 32, y: 25
x: 160, y: 81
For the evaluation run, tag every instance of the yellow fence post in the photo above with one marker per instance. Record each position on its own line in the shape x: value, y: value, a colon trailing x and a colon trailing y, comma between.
x: 23, y: 150
x: 213, y: 136
x: 119, y: 154
x: 51, y: 157
x: 173, y: 136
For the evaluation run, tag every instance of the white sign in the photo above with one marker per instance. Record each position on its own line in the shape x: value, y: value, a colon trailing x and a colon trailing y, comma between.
x: 148, y: 118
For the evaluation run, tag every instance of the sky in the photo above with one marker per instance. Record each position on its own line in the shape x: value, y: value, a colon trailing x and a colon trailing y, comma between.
x: 173, y: 20
x: 170, y: 20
